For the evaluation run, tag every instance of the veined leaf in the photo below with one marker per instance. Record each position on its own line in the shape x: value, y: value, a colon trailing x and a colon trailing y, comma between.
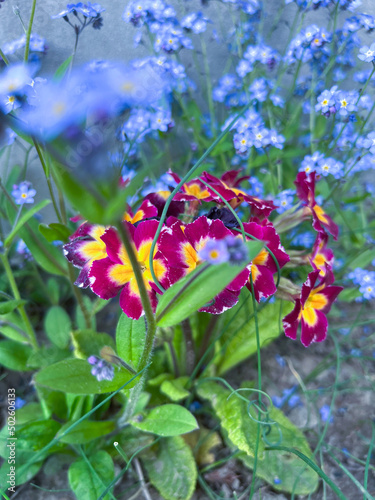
x: 175, y: 389
x: 166, y: 420
x: 172, y: 470
x: 283, y: 470
x: 233, y: 415
x: 88, y: 481
x: 130, y: 339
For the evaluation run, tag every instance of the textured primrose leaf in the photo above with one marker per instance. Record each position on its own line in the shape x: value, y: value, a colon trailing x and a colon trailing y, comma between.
x: 239, y: 341
x: 197, y: 289
x: 240, y: 432
x: 167, y: 420
x: 233, y: 415
x: 172, y: 470
x: 88, y: 482
x: 283, y: 470
x: 130, y: 339
x: 175, y: 389
x: 74, y: 376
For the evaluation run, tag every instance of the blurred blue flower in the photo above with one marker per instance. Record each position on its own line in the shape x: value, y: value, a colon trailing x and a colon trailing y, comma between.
x: 288, y: 395
x: 23, y: 193
x: 325, y: 415
x: 367, y: 54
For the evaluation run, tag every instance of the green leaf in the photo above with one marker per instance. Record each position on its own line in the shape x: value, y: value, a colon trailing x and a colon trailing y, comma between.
x: 349, y: 294
x: 294, y: 475
x: 34, y: 436
x: 49, y: 257
x: 57, y: 325
x: 78, y: 195
x: 23, y: 219
x: 363, y: 260
x: 130, y: 339
x: 25, y: 476
x: 175, y: 389
x: 29, y: 413
x: 86, y: 431
x: 233, y: 415
x: 74, y: 376
x: 172, y: 471
x: 11, y: 305
x: 61, y: 70
x: 166, y: 420
x: 131, y: 440
x: 55, y: 232
x: 88, y: 482
x: 47, y: 355
x: 12, y: 326
x: 89, y: 342
x: 80, y: 319
x: 239, y: 341
x: 14, y: 355
x: 53, y: 288
x: 198, y: 288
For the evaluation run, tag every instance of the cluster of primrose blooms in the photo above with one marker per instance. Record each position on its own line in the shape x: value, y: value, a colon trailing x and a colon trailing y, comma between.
x: 200, y: 227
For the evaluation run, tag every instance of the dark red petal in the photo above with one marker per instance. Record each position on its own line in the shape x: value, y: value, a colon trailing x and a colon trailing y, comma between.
x: 73, y: 253
x: 239, y: 281
x: 264, y: 284
x: 316, y: 332
x: 113, y: 245
x: 308, y: 285
x: 291, y: 321
x: 100, y: 281
x: 223, y: 301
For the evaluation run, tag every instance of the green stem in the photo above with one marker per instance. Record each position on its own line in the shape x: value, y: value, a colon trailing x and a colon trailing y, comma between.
x: 312, y: 113
x: 189, y: 342
x: 46, y: 170
x: 28, y: 34
x: 146, y: 304
x: 73, y: 54
x: 136, y: 391
x: 208, y: 85
x: 4, y: 57
x: 259, y: 386
x: 13, y: 285
x: 79, y: 297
